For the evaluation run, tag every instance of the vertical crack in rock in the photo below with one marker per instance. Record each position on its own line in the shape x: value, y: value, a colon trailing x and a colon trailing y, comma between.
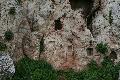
x: 91, y: 16
x: 25, y: 42
x: 88, y: 10
x: 0, y: 10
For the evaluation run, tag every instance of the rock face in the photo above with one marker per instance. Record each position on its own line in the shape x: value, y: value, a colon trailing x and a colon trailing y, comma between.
x: 106, y: 24
x: 70, y: 31
x: 7, y: 67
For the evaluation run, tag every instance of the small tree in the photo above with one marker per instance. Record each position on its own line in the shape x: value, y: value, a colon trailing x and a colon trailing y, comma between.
x: 102, y: 48
x: 8, y: 35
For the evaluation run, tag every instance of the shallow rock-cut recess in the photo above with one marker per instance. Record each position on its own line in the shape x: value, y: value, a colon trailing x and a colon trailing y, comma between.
x: 71, y: 30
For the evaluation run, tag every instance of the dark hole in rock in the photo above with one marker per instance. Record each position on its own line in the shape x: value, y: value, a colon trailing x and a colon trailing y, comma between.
x: 113, y: 55
x: 89, y: 51
x: 58, y: 24
x: 76, y: 4
x: 70, y: 40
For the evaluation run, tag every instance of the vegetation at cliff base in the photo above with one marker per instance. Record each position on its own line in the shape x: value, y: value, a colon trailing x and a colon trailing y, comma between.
x: 95, y: 72
x: 27, y: 69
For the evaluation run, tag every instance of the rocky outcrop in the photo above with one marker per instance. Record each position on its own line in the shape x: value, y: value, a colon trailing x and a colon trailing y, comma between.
x: 7, y: 68
x: 70, y: 31
x: 106, y: 24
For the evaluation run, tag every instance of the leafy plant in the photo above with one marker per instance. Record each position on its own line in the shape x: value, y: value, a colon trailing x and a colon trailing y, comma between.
x: 27, y: 69
x: 3, y: 46
x: 102, y: 48
x: 94, y: 72
x: 107, y: 61
x: 8, y: 35
x: 93, y: 64
x: 12, y: 11
x: 44, y: 74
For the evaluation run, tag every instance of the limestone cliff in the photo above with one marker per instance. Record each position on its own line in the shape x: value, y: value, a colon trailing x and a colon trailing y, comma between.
x: 69, y: 27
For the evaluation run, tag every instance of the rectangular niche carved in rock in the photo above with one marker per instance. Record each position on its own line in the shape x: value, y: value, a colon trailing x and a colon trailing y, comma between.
x: 70, y: 49
x: 89, y: 51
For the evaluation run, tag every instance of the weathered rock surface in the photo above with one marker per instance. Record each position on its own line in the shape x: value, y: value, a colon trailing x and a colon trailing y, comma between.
x: 106, y: 24
x: 68, y: 32
x: 7, y: 67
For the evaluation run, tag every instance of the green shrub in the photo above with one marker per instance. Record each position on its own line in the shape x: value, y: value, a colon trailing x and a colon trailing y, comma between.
x: 12, y: 11
x: 27, y: 69
x: 3, y: 46
x: 102, y: 48
x: 109, y: 70
x: 94, y: 72
x: 93, y: 64
x: 107, y: 61
x: 8, y: 35
x: 44, y: 74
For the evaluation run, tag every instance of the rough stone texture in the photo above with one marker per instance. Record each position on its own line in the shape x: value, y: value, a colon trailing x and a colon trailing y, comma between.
x: 7, y: 67
x: 102, y: 30
x: 65, y: 48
